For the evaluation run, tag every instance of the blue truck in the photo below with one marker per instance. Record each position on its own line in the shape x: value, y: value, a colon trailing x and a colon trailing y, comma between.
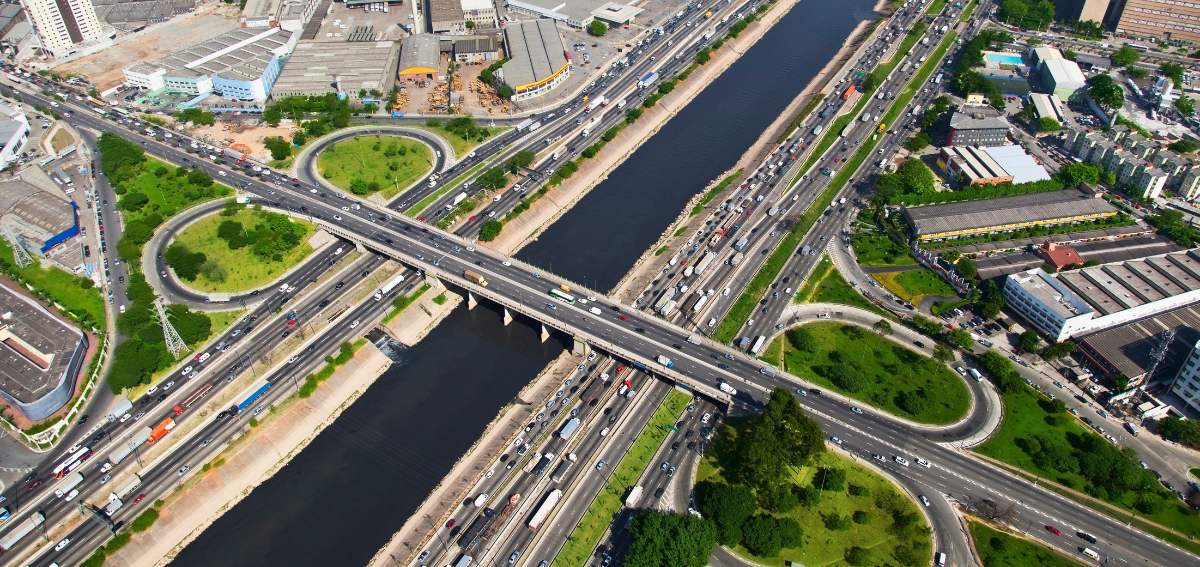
x: 249, y: 401
x: 647, y: 79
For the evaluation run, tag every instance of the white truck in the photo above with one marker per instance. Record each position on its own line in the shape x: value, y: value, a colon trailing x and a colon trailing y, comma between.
x: 635, y: 495
x: 389, y: 286
x: 128, y: 487
x: 128, y: 446
x: 68, y: 484
x: 725, y: 387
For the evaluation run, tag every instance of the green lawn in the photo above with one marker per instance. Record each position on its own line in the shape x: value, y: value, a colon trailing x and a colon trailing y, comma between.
x: 1027, y: 418
x: 913, y: 285
x: 169, y: 190
x: 822, y: 546
x: 608, y: 502
x: 86, y: 304
x: 826, y: 285
x: 1001, y: 549
x: 244, y: 270
x: 387, y: 164
x: 462, y: 146
x: 860, y: 364
x: 445, y: 188
x: 879, y: 250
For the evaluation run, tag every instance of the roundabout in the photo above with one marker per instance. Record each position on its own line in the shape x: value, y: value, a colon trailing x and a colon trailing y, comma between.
x: 312, y: 161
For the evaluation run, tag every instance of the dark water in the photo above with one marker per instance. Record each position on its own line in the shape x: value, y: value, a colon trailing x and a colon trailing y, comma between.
x: 342, y: 498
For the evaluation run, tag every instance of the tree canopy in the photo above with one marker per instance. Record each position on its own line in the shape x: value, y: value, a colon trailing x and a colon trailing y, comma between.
x: 1124, y: 57
x: 661, y: 539
x: 1105, y: 91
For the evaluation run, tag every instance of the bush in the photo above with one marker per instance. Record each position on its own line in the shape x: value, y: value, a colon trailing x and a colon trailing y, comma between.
x: 727, y: 506
x: 490, y: 230
x: 144, y: 521
x: 597, y: 28
x: 830, y: 478
x: 761, y: 536
x: 280, y: 148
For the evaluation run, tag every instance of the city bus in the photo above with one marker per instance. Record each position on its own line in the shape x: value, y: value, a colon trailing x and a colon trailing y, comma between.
x: 66, y: 467
x: 562, y: 296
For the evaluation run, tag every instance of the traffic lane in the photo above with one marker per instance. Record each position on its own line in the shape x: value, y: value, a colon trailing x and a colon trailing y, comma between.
x: 165, y: 475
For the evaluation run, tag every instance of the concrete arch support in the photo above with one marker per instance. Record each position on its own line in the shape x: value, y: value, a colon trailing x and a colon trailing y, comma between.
x: 508, y: 318
x: 545, y: 333
x: 471, y: 301
x: 580, y: 347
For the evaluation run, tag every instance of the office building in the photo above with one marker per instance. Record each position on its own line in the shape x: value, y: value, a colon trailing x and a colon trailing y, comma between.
x: 1005, y: 214
x: 1092, y: 11
x: 481, y: 14
x: 537, y: 58
x: 1091, y: 299
x: 977, y: 127
x: 446, y: 16
x: 62, y: 25
x: 345, y: 67
x: 1187, y: 382
x: 1161, y: 19
x: 14, y: 133
x: 241, y: 64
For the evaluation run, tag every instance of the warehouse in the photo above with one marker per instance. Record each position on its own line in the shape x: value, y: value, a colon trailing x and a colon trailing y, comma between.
x: 577, y: 13
x: 1059, y: 74
x: 41, y: 356
x: 317, y: 68
x: 14, y: 133
x: 978, y: 127
x: 537, y: 58
x: 1048, y: 106
x: 1105, y: 296
x: 1005, y: 214
x: 973, y: 165
x: 1128, y: 349
x: 42, y: 219
x: 241, y: 64
x: 419, y: 57
x: 446, y: 16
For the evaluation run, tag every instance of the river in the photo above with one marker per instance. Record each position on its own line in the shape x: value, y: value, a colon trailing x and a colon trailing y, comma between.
x: 342, y: 497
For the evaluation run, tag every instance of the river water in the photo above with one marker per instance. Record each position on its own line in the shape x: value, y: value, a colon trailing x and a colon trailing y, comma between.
x: 344, y: 496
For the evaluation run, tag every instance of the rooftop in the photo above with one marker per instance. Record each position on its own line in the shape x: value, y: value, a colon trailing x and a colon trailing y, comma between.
x: 1127, y: 348
x: 576, y: 10
x: 975, y: 162
x: 1111, y: 288
x: 477, y: 4
x: 1060, y: 255
x: 985, y: 213
x: 618, y: 13
x: 34, y: 209
x: 535, y: 51
x: 1051, y: 293
x: 241, y: 53
x: 419, y: 54
x: 37, y: 349
x: 1065, y: 71
x: 976, y: 120
x: 314, y: 67
x: 1020, y: 165
x: 445, y: 11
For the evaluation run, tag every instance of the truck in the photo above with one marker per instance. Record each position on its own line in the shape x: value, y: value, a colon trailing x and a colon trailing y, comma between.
x: 805, y: 250
x: 388, y: 286
x: 127, y: 447
x: 249, y: 401
x: 916, y: 109
x: 456, y: 200
x: 705, y: 261
x: 161, y: 430
x: 849, y: 92
x: 475, y: 277
x: 128, y: 487
x: 123, y: 407
x: 663, y: 360
x: 758, y: 344
x: 592, y: 393
x: 621, y: 103
x: 846, y: 130
x: 112, y: 506
x: 818, y: 129
x: 525, y: 124
x: 561, y: 471
x: 635, y: 494
x: 68, y: 484
x: 647, y: 79
x: 736, y: 259
x: 470, y: 536
x: 21, y: 530
x: 699, y: 304
x: 499, y: 518
x: 666, y: 296
x: 541, y: 464
x: 543, y: 510
x: 688, y: 271
x: 596, y: 103
x: 535, y: 126
x: 668, y: 308
x: 741, y: 244
x: 725, y: 387
x: 569, y: 428
x: 694, y: 338
x: 191, y: 400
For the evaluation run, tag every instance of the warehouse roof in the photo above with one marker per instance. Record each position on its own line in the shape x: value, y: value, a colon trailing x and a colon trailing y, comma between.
x: 1110, y: 288
x: 980, y: 214
x: 39, y: 350
x: 1048, y: 106
x: 1096, y: 61
x: 976, y: 121
x: 1064, y: 72
x: 445, y: 11
x: 1129, y: 348
x: 1020, y: 165
x: 315, y: 67
x: 419, y: 54
x: 975, y: 162
x: 535, y: 51
x: 617, y: 13
x: 241, y: 53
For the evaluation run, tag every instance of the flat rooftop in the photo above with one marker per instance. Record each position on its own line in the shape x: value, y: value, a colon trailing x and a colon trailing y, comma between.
x: 314, y: 67
x: 34, y: 208
x: 1111, y: 288
x: 241, y: 53
x: 37, y: 348
x: 1051, y: 293
x: 986, y: 213
x: 535, y: 51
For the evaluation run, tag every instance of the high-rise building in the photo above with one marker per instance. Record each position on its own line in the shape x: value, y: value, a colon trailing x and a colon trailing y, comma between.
x: 63, y: 24
x: 1187, y: 383
x: 1093, y: 10
x: 1163, y: 19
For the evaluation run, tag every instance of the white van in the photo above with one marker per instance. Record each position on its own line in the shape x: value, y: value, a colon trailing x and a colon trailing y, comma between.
x: 595, y: 310
x: 1090, y: 553
x: 939, y: 559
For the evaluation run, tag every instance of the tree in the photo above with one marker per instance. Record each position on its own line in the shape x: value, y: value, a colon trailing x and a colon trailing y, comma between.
x: 942, y: 353
x: 831, y: 479
x: 1074, y: 174
x: 1173, y: 71
x: 856, y: 556
x: 1123, y: 57
x: 1106, y: 92
x: 991, y: 299
x: 597, y: 28
x: 1030, y: 341
x: 660, y: 539
x: 184, y: 262
x: 1182, y: 430
x: 802, y: 340
x: 915, y: 403
x: 883, y: 327
x: 493, y: 179
x: 961, y: 338
x: 280, y: 148
x: 727, y: 506
x: 1185, y: 105
x: 918, y: 142
x: 1184, y: 146
x: 966, y: 268
x: 1059, y: 350
x: 522, y: 159
x: 781, y: 436
x: 490, y: 230
x: 1047, y: 124
x: 763, y: 535
x: 133, y: 201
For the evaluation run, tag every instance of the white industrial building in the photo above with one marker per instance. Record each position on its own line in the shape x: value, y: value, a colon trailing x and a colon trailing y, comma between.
x: 63, y: 25
x: 1077, y: 302
x: 481, y: 13
x: 577, y: 13
x: 1048, y: 106
x: 1061, y: 75
x: 14, y: 133
x: 1187, y: 383
x: 291, y: 15
x: 241, y: 64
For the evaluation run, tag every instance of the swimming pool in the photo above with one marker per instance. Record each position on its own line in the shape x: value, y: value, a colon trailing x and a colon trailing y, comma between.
x: 1003, y: 58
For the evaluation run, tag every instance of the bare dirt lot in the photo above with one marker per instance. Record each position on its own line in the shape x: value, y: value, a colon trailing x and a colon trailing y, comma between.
x: 104, y: 69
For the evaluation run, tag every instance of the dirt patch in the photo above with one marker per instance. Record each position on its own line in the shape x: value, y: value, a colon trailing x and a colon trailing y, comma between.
x: 246, y: 135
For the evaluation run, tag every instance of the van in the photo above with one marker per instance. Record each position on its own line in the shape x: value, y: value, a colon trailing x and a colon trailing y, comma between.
x: 939, y: 559
x: 595, y: 310
x: 1089, y: 552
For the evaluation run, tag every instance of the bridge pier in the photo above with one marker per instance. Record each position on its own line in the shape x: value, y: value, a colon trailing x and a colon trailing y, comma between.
x: 433, y: 281
x: 579, y: 346
x: 471, y: 302
x: 508, y: 319
x: 545, y: 334
x: 359, y: 247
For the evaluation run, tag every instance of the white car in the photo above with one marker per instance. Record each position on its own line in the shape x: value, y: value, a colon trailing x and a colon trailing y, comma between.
x: 900, y: 460
x: 924, y: 500
x: 62, y: 544
x: 924, y: 463
x: 125, y: 418
x: 354, y: 324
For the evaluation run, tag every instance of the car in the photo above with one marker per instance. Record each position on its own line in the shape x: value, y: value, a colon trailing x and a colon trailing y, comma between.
x: 125, y: 418
x: 104, y: 479
x: 354, y: 324
x: 856, y: 410
x: 924, y: 463
x: 62, y: 544
x: 924, y: 500
x: 900, y: 460
x: 183, y: 470
x: 836, y: 440
x: 1054, y: 530
x: 512, y: 557
x: 601, y: 464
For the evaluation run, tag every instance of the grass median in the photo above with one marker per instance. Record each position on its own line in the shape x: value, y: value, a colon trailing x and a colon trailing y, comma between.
x: 445, y: 188
x: 744, y: 307
x: 608, y: 502
x: 826, y: 285
x: 375, y: 164
x: 241, y: 269
x: 996, y: 547
x: 714, y: 191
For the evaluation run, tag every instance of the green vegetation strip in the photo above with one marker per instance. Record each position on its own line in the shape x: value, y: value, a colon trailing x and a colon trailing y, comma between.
x: 826, y: 285
x: 332, y: 362
x: 78, y: 296
x: 744, y: 306
x: 429, y: 199
x: 401, y: 303
x: 608, y: 502
x: 714, y: 191
x: 139, y: 524
x: 997, y: 547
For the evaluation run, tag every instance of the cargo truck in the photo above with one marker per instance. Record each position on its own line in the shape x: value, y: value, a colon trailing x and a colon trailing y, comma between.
x: 475, y: 277
x: 123, y: 407
x: 635, y: 495
x: 249, y: 401
x: 596, y: 103
x: 725, y: 387
x: 541, y: 464
x: 560, y: 471
x: 663, y: 360
x: 161, y: 430
x: 128, y: 487
x: 694, y: 338
x: 543, y: 510
x: 535, y: 126
x: 647, y: 79
x: 525, y: 124
x: 668, y: 308
x: 21, y: 530
x: 456, y: 200
x: 736, y: 259
x: 696, y: 307
x: 705, y: 262
x: 124, y: 449
x: 388, y: 286
x: 569, y: 429
x: 68, y: 484
x: 500, y: 517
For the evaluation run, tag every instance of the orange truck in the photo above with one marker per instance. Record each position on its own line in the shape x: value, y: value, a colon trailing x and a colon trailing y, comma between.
x: 849, y: 92
x: 161, y: 430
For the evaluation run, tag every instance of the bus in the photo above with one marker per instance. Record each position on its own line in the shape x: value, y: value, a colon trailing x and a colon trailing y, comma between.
x: 758, y: 344
x: 120, y: 111
x: 938, y: 79
x: 64, y: 468
x: 562, y: 296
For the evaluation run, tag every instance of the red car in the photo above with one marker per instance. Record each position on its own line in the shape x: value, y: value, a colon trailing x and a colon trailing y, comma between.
x: 1054, y: 530
x: 139, y: 498
x: 622, y: 317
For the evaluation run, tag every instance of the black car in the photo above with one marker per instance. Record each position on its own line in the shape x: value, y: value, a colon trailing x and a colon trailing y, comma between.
x: 658, y: 493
